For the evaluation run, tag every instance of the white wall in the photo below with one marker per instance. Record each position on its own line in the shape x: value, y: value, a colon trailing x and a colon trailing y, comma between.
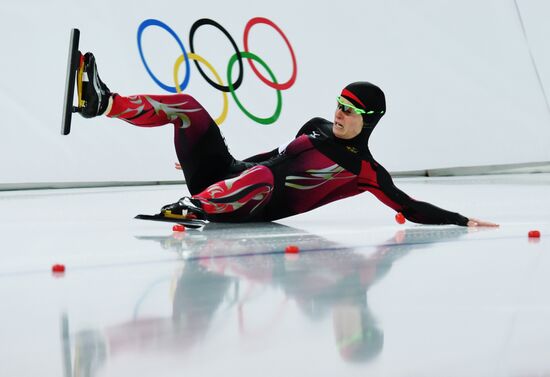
x: 534, y: 14
x: 460, y: 84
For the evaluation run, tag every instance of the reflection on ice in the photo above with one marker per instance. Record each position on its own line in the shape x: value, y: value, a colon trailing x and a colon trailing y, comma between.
x: 227, y: 268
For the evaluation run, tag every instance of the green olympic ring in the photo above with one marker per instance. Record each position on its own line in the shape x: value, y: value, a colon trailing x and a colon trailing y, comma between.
x: 277, y: 113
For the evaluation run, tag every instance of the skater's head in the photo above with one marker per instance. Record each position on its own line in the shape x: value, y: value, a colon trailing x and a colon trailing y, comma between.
x: 359, y: 108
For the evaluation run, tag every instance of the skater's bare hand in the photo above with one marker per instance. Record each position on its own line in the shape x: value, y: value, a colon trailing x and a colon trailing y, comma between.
x: 476, y: 222
x: 178, y: 166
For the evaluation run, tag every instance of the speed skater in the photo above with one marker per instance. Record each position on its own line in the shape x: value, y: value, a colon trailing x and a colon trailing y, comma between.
x: 325, y: 162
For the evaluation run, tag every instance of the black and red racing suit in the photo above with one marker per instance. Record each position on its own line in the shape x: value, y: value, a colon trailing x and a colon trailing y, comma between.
x: 314, y: 169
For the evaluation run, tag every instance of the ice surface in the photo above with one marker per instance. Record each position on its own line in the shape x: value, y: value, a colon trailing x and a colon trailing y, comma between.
x: 364, y: 297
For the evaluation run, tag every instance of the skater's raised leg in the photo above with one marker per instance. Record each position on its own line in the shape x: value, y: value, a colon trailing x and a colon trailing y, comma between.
x: 200, y: 147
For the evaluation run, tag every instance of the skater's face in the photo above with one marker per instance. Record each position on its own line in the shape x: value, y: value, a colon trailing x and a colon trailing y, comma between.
x: 347, y: 124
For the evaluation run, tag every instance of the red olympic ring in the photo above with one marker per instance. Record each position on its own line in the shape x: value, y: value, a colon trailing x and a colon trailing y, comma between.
x: 282, y: 86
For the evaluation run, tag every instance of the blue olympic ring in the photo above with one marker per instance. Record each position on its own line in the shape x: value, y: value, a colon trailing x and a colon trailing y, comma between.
x: 162, y: 25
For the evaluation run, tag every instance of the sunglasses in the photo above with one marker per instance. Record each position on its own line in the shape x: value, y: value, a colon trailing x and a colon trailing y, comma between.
x: 348, y: 108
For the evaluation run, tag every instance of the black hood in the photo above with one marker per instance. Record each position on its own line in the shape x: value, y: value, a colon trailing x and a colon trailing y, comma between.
x: 368, y: 97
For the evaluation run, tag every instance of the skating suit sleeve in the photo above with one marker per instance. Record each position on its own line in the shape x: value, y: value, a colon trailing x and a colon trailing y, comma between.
x: 375, y: 179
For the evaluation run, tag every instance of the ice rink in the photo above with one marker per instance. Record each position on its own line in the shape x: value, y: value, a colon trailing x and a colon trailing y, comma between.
x: 364, y: 297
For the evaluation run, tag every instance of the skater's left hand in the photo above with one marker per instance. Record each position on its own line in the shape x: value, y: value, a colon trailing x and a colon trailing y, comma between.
x: 178, y: 166
x: 475, y: 222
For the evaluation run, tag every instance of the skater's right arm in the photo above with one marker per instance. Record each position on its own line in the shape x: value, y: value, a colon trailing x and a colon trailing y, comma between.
x: 414, y: 210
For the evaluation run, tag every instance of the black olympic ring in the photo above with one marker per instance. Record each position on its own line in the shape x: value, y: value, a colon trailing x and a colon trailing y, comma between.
x: 207, y: 21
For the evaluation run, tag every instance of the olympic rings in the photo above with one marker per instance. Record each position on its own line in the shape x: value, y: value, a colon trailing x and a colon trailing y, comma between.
x: 238, y: 56
x: 275, y: 115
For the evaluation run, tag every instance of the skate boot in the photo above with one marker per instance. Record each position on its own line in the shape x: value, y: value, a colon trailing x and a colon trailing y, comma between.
x: 185, y: 209
x: 93, y: 94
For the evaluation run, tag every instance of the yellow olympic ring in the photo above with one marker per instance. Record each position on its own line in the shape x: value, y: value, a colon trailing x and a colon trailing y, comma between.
x: 219, y: 120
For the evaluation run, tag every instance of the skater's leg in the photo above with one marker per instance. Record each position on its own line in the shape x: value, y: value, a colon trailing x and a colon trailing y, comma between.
x: 157, y: 110
x: 238, y: 199
x: 200, y: 147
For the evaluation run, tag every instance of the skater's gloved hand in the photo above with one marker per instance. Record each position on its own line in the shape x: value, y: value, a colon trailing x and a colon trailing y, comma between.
x: 475, y: 222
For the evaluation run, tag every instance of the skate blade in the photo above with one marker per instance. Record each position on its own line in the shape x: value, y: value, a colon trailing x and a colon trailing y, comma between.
x: 72, y: 68
x: 189, y: 223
